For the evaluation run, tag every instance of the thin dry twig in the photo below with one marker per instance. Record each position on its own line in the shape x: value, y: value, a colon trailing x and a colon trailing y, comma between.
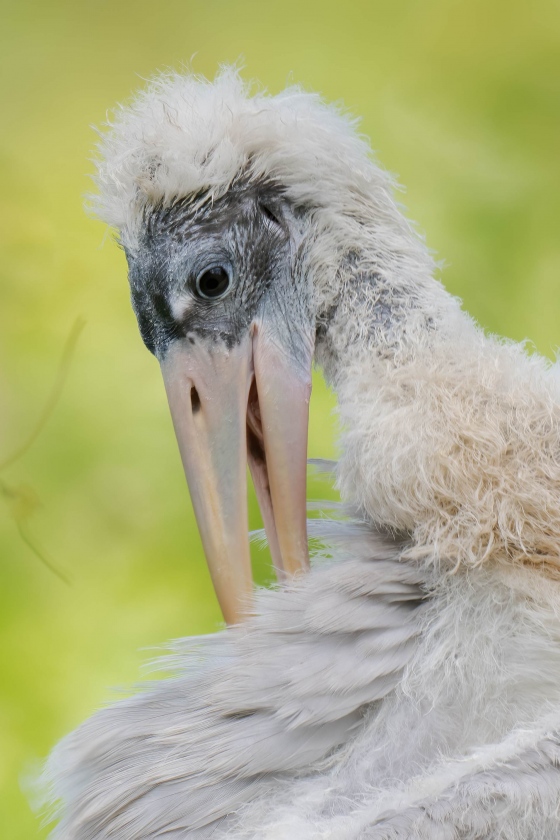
x: 22, y: 500
x: 53, y: 397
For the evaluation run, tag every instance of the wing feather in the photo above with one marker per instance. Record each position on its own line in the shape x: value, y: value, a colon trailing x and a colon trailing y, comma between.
x: 249, y: 706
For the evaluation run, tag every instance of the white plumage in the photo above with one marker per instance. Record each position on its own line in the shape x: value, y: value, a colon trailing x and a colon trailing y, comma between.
x: 409, y: 686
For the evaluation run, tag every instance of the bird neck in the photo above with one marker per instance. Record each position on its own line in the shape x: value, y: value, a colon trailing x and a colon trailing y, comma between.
x: 374, y: 321
x: 443, y: 428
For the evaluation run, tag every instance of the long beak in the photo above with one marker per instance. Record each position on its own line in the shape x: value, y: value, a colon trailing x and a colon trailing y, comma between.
x: 229, y: 406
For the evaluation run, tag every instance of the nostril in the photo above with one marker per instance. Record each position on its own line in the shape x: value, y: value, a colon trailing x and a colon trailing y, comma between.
x: 195, y: 400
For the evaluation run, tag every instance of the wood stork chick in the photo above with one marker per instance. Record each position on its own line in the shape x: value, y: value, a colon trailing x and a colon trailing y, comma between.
x: 409, y: 686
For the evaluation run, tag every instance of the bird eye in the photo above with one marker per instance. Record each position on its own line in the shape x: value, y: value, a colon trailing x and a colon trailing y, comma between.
x: 213, y: 282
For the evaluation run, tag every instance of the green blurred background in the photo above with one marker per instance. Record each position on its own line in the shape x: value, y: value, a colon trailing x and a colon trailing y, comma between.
x: 461, y: 100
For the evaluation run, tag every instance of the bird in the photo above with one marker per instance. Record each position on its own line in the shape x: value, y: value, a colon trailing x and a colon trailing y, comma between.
x: 405, y: 681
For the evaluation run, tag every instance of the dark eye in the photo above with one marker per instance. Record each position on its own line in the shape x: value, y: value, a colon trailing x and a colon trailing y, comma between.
x: 213, y: 282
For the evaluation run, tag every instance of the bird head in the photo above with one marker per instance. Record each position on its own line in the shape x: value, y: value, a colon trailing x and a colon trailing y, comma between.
x: 245, y: 220
x: 214, y: 292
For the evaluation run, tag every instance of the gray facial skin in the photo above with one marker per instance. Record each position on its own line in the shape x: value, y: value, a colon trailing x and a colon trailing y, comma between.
x: 251, y: 234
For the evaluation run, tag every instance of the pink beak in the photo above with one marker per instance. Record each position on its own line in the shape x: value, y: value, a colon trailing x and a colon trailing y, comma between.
x: 229, y: 406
